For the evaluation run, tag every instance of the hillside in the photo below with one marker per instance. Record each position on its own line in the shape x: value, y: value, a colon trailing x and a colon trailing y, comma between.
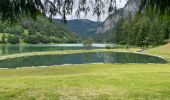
x: 126, y: 27
x: 106, y: 31
x: 40, y: 31
x: 163, y: 51
x: 131, y: 7
x: 81, y: 27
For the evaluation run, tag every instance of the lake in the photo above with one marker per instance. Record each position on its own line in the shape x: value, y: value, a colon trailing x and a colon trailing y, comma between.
x: 13, y: 49
x: 80, y: 58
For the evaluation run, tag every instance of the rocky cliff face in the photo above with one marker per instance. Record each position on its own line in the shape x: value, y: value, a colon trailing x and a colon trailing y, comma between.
x: 131, y: 7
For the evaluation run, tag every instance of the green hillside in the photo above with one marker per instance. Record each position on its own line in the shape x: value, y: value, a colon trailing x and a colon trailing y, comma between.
x: 40, y: 31
x: 82, y: 27
x: 163, y: 51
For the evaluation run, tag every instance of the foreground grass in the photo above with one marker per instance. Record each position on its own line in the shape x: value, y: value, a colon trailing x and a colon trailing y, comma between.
x: 90, y: 82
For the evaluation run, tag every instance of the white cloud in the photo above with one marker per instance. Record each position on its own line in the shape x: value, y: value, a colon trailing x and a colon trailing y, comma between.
x: 90, y: 16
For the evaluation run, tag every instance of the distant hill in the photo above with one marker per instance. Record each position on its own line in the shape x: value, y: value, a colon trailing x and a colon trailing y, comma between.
x: 39, y: 31
x: 106, y: 31
x: 110, y: 23
x: 81, y: 27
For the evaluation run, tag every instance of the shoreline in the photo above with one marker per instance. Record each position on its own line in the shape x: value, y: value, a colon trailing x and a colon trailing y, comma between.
x: 77, y: 52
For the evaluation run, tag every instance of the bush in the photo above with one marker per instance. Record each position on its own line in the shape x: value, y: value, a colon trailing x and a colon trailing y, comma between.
x: 32, y: 39
x: 108, y: 47
x: 3, y: 38
x: 18, y: 30
x: 55, y: 40
x: 44, y: 39
x: 13, y: 39
x: 88, y: 43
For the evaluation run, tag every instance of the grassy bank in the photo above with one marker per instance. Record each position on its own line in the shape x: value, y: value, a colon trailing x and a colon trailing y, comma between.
x: 97, y: 82
x: 163, y: 51
x: 67, y: 52
x: 88, y: 82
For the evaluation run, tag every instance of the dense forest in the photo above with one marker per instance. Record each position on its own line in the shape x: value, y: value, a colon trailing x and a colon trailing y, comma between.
x: 40, y: 31
x: 143, y: 30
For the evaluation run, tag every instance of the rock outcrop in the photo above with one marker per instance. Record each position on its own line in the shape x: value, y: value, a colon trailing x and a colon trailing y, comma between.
x: 131, y: 7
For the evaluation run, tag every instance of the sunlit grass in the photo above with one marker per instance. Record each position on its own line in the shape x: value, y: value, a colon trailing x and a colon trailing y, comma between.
x: 163, y: 51
x: 87, y: 82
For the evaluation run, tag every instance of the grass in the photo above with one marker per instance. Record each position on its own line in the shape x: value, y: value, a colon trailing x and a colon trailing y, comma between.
x: 67, y: 52
x: 163, y: 51
x: 89, y: 82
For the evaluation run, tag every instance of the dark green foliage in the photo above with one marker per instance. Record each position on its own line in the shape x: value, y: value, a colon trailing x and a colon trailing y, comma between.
x: 88, y: 43
x: 40, y: 31
x: 4, y: 38
x: 156, y: 6
x: 32, y: 39
x: 108, y: 47
x: 13, y: 39
x: 13, y: 10
x: 18, y: 30
x: 143, y: 31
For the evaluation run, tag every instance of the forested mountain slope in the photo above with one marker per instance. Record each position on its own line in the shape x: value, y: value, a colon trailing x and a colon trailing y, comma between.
x: 81, y: 27
x: 129, y: 28
x: 40, y: 31
x: 131, y: 7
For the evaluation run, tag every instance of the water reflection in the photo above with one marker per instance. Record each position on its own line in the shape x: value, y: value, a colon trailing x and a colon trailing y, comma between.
x: 12, y: 49
x: 80, y: 58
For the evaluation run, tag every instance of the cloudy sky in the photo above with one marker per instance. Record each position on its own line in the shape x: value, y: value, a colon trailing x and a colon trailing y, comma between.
x: 120, y: 4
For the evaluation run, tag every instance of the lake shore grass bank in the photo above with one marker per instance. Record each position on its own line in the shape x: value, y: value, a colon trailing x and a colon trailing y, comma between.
x: 89, y: 81
x: 132, y: 50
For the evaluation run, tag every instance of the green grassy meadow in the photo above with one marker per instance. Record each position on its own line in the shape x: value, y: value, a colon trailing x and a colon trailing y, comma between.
x: 163, y: 51
x: 89, y: 82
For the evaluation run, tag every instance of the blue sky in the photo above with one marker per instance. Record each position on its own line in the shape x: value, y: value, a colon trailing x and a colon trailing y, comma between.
x: 120, y: 4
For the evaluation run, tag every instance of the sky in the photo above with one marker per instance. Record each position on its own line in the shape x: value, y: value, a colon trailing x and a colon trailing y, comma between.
x: 90, y: 16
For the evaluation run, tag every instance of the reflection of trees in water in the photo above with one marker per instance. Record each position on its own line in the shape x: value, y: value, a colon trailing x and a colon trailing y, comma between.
x: 4, y: 50
x: 106, y: 57
x: 8, y: 49
x: 117, y: 57
x: 88, y: 57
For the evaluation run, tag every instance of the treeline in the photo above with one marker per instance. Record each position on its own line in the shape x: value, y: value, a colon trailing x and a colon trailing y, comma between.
x: 33, y: 32
x: 143, y: 30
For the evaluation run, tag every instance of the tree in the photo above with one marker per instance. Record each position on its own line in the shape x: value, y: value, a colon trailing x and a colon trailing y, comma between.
x: 13, y: 39
x: 42, y: 29
x: 13, y: 10
x: 18, y: 30
x: 156, y: 6
x: 3, y: 38
x: 88, y: 43
x: 32, y: 39
x: 156, y: 33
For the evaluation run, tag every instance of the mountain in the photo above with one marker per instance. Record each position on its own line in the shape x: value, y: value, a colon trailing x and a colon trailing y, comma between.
x: 41, y: 30
x: 131, y: 7
x: 81, y: 27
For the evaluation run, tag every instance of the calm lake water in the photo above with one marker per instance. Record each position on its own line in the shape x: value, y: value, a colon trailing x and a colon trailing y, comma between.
x: 12, y: 49
x: 81, y: 58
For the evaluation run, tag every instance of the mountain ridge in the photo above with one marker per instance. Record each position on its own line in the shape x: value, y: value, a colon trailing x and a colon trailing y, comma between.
x: 82, y: 27
x: 132, y: 6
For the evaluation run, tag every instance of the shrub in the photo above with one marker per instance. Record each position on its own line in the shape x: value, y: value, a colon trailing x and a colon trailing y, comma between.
x: 13, y: 39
